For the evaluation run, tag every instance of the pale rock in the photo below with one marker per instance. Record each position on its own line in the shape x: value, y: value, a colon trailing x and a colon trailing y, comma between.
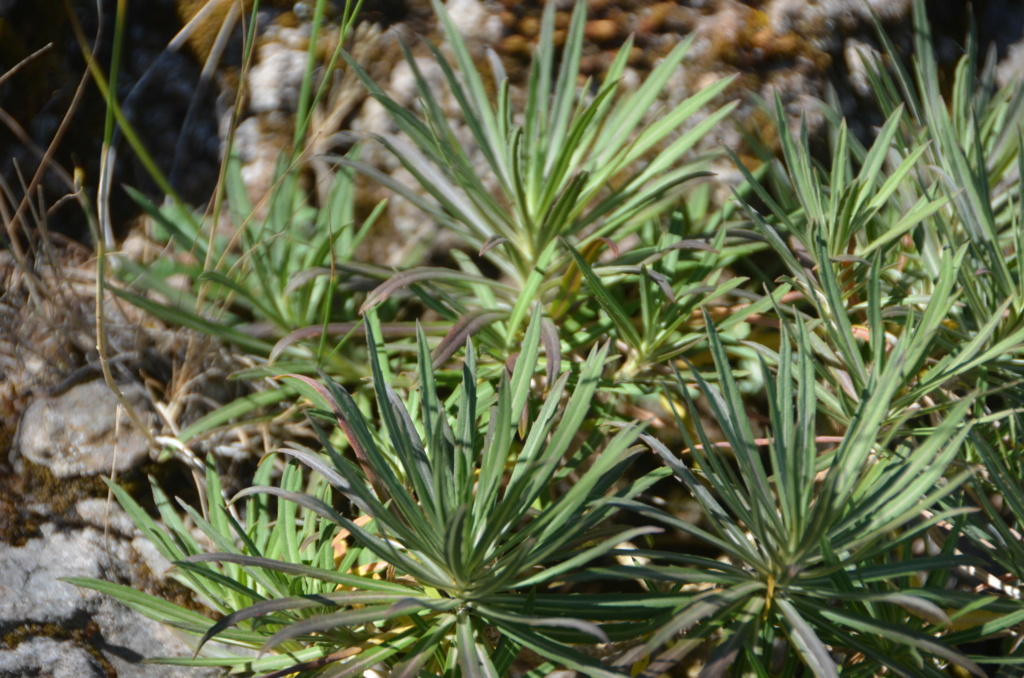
x: 474, y: 20
x: 1011, y: 68
x: 275, y: 80
x: 860, y: 58
x: 82, y: 432
x: 106, y: 515
x: 832, y: 15
x: 32, y: 594
x: 49, y: 657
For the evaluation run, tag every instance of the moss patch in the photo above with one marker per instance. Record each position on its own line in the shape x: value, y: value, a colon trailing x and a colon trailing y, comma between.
x: 34, y: 496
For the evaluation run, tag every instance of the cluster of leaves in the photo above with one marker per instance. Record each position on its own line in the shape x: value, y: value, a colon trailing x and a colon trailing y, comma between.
x: 550, y: 211
x: 473, y: 535
x: 482, y: 520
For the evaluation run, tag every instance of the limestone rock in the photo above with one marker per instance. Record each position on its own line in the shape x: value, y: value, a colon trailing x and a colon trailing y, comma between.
x: 29, y: 588
x: 49, y: 657
x: 79, y: 433
x: 71, y: 631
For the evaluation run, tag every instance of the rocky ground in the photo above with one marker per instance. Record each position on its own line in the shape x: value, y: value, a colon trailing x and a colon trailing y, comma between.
x: 61, y: 427
x: 61, y: 430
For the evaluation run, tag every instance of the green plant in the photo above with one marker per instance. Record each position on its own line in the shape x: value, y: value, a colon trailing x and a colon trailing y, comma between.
x: 263, y: 278
x: 540, y: 196
x: 470, y: 519
x: 994, y: 534
x: 272, y: 280
x: 255, y: 274
x: 453, y: 520
x: 816, y: 546
x: 879, y: 221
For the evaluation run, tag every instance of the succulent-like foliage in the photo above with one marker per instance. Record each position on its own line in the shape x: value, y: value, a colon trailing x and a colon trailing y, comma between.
x: 576, y: 171
x: 816, y: 545
x: 454, y: 520
x: 471, y: 520
x: 878, y: 223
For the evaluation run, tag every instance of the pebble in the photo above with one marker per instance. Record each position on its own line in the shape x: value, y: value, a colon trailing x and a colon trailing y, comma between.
x: 275, y: 80
x: 474, y: 20
x: 516, y: 45
x: 602, y: 30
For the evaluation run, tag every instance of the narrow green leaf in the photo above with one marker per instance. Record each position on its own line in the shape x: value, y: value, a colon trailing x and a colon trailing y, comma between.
x: 616, y: 312
x: 813, y: 652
